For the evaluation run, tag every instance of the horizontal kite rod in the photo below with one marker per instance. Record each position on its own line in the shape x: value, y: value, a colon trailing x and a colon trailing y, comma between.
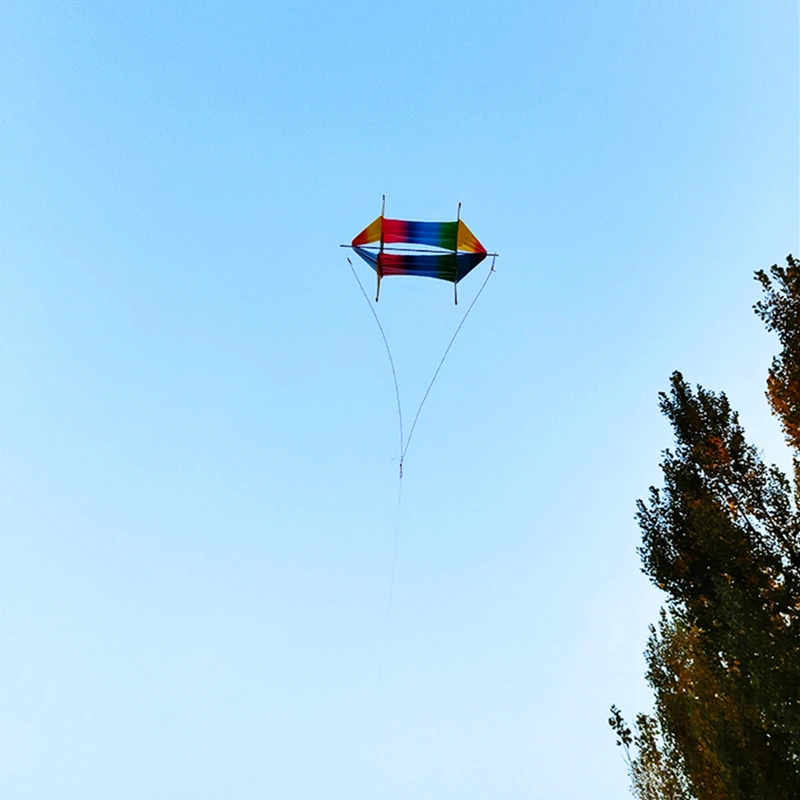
x: 439, y: 252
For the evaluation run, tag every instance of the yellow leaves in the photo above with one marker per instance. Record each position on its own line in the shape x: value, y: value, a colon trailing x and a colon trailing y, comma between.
x: 714, y: 453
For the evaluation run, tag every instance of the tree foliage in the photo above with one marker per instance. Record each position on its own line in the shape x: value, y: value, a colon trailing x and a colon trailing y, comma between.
x: 722, y: 539
x: 780, y: 310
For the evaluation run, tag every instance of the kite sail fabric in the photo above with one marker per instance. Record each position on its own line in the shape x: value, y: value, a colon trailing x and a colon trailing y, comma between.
x: 447, y: 235
x: 451, y: 249
x: 445, y: 266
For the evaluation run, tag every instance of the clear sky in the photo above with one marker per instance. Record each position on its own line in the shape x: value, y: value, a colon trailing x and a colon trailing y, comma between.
x: 198, y: 491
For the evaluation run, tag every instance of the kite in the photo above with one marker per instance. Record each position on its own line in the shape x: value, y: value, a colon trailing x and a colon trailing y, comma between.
x: 445, y: 250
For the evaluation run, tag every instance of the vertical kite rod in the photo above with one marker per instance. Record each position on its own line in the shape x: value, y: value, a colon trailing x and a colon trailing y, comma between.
x: 455, y: 277
x: 378, y: 264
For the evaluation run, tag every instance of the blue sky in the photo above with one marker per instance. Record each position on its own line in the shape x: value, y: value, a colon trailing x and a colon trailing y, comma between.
x: 198, y: 491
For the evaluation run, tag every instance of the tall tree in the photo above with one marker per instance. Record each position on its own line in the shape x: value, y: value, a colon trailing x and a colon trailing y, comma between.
x: 722, y: 539
x: 780, y: 310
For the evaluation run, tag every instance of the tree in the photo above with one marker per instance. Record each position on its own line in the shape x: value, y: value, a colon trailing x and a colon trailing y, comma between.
x: 722, y: 539
x: 780, y: 310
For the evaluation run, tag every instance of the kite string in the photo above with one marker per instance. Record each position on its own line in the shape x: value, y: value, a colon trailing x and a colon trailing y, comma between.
x: 391, y: 362
x: 435, y: 374
x: 376, y: 689
x: 403, y: 450
x: 404, y: 443
x: 388, y: 624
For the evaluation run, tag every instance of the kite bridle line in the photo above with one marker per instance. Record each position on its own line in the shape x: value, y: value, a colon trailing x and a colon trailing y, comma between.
x: 388, y: 353
x: 435, y: 374
x: 404, y: 443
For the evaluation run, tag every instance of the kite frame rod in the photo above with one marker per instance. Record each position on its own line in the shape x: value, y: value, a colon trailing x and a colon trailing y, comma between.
x: 421, y: 252
x: 455, y: 251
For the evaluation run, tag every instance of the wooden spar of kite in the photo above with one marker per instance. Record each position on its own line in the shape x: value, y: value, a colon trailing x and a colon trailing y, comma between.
x: 444, y: 250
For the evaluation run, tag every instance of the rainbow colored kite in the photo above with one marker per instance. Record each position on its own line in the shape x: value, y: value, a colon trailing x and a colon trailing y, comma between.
x: 444, y: 250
